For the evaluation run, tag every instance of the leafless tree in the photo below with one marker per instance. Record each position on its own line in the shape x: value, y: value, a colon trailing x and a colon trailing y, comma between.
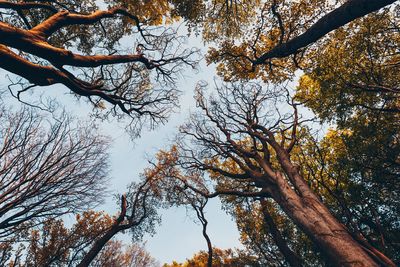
x: 77, y: 45
x: 47, y: 169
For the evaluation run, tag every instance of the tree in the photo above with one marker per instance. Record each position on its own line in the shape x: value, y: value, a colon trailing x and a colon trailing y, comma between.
x: 340, y: 16
x: 221, y: 258
x: 259, y: 233
x: 47, y: 170
x: 359, y: 159
x: 90, y: 236
x: 280, y: 35
x: 171, y: 192
x: 341, y: 202
x: 268, y: 233
x: 139, y: 216
x: 363, y: 197
x: 334, y: 91
x: 53, y: 244
x: 74, y: 44
x: 236, y: 139
x: 131, y: 256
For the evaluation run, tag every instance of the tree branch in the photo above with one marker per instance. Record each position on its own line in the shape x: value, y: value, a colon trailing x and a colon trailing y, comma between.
x: 65, y: 18
x: 25, y: 6
x: 346, y: 13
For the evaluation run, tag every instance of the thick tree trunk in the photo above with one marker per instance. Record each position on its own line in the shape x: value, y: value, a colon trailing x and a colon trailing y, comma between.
x: 327, y: 233
x: 292, y: 258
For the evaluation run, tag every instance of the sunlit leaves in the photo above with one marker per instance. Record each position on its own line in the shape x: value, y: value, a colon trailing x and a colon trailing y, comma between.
x: 358, y: 72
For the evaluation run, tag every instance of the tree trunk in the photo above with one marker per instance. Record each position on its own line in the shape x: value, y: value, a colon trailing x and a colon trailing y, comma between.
x: 98, y: 246
x: 108, y: 235
x: 312, y: 217
x: 292, y: 258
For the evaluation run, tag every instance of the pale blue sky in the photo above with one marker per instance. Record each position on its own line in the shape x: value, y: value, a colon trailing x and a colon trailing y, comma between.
x: 178, y: 237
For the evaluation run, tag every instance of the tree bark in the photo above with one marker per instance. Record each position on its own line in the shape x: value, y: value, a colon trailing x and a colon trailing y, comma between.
x: 111, y: 232
x: 202, y: 218
x: 99, y: 244
x: 312, y: 217
x: 308, y: 212
x: 290, y: 256
x: 344, y: 14
x: 209, y: 246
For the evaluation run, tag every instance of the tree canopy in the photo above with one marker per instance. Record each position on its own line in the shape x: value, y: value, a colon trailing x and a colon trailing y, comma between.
x: 298, y: 137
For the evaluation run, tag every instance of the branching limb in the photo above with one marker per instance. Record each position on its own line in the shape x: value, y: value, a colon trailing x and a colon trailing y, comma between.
x: 344, y: 14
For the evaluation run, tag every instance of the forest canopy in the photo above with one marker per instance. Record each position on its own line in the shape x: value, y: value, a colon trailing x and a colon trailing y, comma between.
x: 297, y: 136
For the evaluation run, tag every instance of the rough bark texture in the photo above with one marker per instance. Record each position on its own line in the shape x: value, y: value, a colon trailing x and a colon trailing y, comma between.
x: 325, y: 231
x: 313, y: 217
x: 235, y: 128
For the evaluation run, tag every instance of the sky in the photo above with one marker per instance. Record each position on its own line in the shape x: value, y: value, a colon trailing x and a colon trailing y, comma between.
x: 179, y: 235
